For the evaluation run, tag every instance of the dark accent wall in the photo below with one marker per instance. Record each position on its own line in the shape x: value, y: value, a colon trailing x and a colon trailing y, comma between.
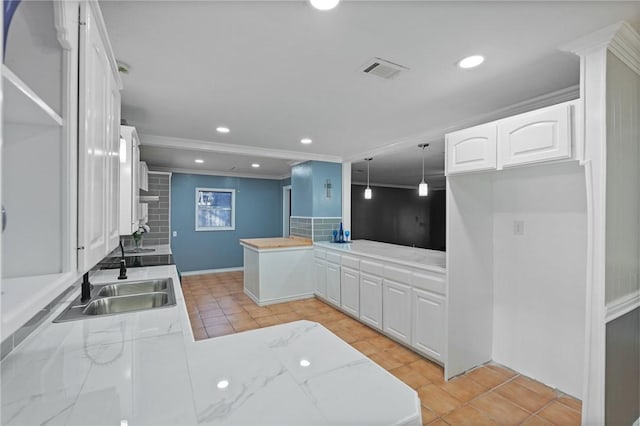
x: 399, y: 216
x: 622, y: 379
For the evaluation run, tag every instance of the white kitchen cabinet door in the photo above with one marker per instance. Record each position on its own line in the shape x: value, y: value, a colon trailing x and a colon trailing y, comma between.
x: 144, y: 176
x: 333, y: 283
x: 396, y: 310
x: 113, y: 169
x: 320, y: 277
x: 129, y: 181
x: 472, y: 149
x: 428, y: 323
x: 94, y: 144
x: 350, y: 291
x: 371, y: 300
x: 536, y: 136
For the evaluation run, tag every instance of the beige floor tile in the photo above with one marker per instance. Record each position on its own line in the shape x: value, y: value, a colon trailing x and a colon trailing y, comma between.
x: 385, y: 361
x: 500, y: 409
x: 487, y: 377
x: 209, y: 322
x: 559, y: 414
x: 258, y: 311
x: 468, y: 416
x: 268, y: 321
x: 241, y: 316
x: 196, y: 322
x: 219, y: 330
x: 507, y: 373
x: 382, y: 343
x: 365, y: 347
x: 464, y: 388
x: 536, y: 386
x: 437, y: 400
x: 404, y: 355
x: 524, y: 397
x: 536, y: 421
x: 200, y: 333
x: 438, y: 422
x: 232, y: 310
x: 218, y: 312
x: 239, y: 326
x: 428, y: 416
x: 571, y: 402
x: 410, y: 376
x: 428, y: 369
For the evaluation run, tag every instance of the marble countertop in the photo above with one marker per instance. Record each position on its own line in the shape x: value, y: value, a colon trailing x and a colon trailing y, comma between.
x: 146, y: 368
x: 433, y: 260
x: 277, y: 242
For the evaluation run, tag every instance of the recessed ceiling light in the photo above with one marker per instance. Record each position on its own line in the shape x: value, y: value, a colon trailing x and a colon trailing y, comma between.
x: 471, y: 61
x: 222, y: 384
x: 199, y: 161
x: 222, y: 129
x: 255, y: 165
x: 304, y: 363
x: 324, y: 4
x: 305, y: 141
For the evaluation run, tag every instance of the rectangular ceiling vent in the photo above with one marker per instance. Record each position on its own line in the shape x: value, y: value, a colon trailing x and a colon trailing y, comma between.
x: 384, y: 69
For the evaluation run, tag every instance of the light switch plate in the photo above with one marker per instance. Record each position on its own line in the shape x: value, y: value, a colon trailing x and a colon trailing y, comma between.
x: 518, y: 227
x: 175, y: 233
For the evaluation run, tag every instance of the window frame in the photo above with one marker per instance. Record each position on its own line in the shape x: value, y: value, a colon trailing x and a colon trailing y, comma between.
x: 233, y: 210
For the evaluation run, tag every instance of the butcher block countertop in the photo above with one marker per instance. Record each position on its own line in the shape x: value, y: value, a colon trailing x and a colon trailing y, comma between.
x: 272, y: 243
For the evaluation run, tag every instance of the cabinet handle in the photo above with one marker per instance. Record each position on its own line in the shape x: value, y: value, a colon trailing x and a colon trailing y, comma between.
x: 4, y: 218
x: 81, y: 248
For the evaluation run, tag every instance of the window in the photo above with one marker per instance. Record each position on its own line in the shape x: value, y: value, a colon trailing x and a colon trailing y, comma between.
x: 215, y: 209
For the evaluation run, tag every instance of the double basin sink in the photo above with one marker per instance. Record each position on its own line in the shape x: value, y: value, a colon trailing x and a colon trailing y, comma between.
x: 122, y: 297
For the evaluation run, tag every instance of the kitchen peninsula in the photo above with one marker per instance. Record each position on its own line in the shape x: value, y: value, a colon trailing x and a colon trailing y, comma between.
x: 277, y: 269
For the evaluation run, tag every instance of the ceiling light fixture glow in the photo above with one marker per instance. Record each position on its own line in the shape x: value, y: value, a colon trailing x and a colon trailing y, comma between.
x: 471, y: 61
x: 305, y: 141
x: 423, y: 188
x: 367, y: 191
x: 222, y: 384
x: 255, y: 165
x: 324, y: 4
x: 222, y: 129
x: 199, y: 161
x: 305, y: 363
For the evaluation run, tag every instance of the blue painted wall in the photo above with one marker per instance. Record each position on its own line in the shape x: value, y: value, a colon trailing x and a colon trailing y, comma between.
x: 308, y: 193
x: 258, y: 214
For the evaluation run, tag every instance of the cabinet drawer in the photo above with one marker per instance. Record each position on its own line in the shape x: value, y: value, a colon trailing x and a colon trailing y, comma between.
x: 430, y: 282
x: 373, y: 268
x: 320, y: 254
x: 333, y: 257
x: 351, y: 262
x: 397, y: 274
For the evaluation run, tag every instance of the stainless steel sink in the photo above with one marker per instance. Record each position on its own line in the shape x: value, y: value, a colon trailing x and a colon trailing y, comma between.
x: 122, y: 289
x: 119, y: 304
x: 122, y: 297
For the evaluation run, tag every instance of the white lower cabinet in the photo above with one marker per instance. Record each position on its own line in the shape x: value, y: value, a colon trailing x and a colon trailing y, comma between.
x: 428, y: 323
x: 333, y: 283
x: 371, y: 300
x: 396, y: 310
x: 320, y: 277
x: 350, y: 290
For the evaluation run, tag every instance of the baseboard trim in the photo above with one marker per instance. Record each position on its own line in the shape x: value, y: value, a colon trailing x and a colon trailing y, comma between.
x: 211, y: 271
x: 622, y: 306
x: 279, y: 300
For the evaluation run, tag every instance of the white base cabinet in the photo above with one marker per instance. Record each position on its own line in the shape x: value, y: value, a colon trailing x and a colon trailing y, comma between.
x: 350, y: 291
x: 428, y: 323
x: 396, y: 310
x: 320, y: 277
x: 371, y: 300
x: 333, y: 283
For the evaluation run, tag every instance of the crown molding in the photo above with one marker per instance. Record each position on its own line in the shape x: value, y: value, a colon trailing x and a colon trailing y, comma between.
x: 434, y: 136
x: 253, y: 151
x: 171, y: 170
x: 620, y: 38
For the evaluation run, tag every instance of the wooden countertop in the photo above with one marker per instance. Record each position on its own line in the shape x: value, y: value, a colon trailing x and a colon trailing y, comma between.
x: 270, y: 243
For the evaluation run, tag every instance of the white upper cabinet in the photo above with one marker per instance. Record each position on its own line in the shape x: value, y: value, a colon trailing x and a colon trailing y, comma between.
x: 144, y: 176
x: 129, y: 180
x: 540, y: 135
x: 472, y: 149
x: 98, y: 140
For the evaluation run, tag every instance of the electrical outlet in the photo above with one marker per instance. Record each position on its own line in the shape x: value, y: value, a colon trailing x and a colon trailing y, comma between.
x: 518, y: 227
x: 175, y: 233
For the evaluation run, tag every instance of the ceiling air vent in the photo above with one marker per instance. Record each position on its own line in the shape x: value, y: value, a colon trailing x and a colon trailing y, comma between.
x: 384, y: 69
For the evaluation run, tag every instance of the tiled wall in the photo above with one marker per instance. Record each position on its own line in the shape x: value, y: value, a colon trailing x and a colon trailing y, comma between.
x: 159, y: 184
x: 316, y: 229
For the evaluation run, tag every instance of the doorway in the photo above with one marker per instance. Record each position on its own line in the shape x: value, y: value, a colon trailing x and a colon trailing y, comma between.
x: 286, y: 210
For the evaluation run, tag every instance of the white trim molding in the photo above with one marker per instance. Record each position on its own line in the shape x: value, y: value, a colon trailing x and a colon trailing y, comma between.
x: 211, y: 271
x: 622, y: 306
x: 209, y: 146
x: 170, y: 170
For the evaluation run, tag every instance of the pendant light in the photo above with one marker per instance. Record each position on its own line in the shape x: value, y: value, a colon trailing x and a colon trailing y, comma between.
x: 423, y: 188
x: 367, y: 191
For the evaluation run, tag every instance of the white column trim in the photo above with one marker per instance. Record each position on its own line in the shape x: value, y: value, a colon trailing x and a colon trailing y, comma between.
x: 622, y: 306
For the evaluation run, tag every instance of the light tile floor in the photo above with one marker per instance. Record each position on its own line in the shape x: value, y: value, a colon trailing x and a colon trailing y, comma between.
x: 488, y: 395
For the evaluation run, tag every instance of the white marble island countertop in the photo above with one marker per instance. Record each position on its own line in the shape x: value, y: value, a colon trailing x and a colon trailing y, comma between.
x: 145, y: 368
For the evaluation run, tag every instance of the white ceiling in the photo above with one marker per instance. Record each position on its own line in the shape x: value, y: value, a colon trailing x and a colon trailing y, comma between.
x: 277, y: 71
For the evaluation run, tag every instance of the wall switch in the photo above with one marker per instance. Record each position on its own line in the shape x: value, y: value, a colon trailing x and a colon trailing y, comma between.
x: 175, y: 233
x: 518, y: 227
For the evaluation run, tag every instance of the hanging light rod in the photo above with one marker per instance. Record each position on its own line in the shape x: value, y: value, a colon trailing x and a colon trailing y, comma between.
x: 367, y: 191
x: 423, y: 188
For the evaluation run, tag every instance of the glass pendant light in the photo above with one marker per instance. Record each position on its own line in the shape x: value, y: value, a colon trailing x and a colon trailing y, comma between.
x: 423, y: 188
x: 367, y: 191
